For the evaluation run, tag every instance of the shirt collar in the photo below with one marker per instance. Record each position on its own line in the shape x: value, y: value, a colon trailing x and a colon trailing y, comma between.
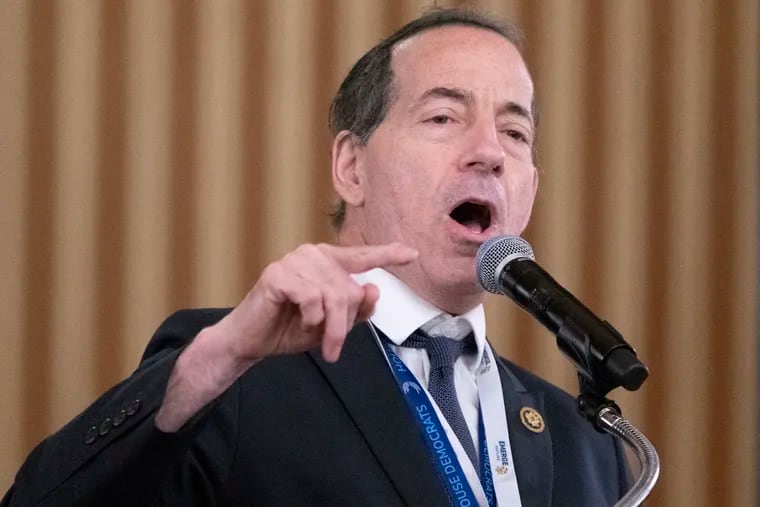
x: 399, y: 311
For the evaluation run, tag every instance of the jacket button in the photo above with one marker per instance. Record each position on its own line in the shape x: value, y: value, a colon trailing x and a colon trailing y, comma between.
x: 119, y: 418
x: 105, y: 427
x: 91, y: 435
x: 133, y: 407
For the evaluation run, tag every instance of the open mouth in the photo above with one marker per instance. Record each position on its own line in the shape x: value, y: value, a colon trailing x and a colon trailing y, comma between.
x: 473, y: 215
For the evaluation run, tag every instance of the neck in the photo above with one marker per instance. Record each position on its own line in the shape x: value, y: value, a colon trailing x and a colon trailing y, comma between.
x: 454, y: 298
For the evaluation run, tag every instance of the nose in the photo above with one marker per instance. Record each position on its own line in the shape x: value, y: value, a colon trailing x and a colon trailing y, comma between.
x: 484, y: 151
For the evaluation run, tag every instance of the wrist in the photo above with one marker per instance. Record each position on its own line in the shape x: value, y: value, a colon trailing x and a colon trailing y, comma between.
x: 202, y: 372
x: 212, y: 356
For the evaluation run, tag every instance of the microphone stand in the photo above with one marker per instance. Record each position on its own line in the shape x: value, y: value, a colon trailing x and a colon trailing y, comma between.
x: 606, y: 417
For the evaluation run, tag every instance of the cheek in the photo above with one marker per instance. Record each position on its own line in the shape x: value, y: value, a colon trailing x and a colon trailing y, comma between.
x: 398, y: 177
x: 520, y: 195
x: 388, y: 201
x: 403, y: 176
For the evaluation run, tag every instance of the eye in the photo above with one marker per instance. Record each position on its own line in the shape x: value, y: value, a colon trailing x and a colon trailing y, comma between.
x: 439, y: 119
x: 517, y: 135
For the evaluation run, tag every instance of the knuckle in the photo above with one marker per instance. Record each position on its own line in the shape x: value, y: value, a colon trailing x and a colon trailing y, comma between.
x: 340, y: 299
x: 357, y: 291
x: 311, y: 297
x: 310, y: 320
x: 307, y: 249
x: 355, y: 295
x: 272, y: 270
x: 291, y: 258
x: 332, y: 305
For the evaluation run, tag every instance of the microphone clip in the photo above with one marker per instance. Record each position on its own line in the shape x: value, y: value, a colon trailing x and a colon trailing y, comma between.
x: 592, y: 401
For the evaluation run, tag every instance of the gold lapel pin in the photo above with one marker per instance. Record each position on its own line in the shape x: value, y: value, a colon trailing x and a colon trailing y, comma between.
x: 532, y: 420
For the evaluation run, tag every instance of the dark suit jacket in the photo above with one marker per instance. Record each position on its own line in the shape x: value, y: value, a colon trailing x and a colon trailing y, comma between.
x: 295, y: 430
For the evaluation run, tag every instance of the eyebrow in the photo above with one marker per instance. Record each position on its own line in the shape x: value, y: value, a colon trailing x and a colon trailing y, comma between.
x: 467, y: 98
x: 518, y: 110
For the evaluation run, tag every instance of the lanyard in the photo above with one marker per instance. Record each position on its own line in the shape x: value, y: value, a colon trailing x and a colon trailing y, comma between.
x: 500, y: 477
x: 446, y: 463
x: 486, y: 476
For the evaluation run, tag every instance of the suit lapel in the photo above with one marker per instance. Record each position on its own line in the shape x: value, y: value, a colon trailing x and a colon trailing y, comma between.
x: 364, y: 383
x: 532, y: 451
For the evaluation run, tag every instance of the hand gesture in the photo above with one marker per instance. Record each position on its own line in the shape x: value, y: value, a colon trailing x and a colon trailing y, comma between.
x: 308, y: 299
x: 305, y: 300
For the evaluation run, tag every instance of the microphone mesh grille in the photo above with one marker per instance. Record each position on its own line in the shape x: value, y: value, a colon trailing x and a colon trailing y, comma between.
x: 494, y: 254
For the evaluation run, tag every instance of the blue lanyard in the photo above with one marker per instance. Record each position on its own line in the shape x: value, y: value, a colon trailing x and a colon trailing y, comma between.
x: 446, y: 463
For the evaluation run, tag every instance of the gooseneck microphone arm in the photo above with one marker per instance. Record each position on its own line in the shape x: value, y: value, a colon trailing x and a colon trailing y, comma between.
x: 612, y: 422
x: 600, y: 354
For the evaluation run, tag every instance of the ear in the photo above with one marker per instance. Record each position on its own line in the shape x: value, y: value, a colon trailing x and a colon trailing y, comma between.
x: 346, y: 170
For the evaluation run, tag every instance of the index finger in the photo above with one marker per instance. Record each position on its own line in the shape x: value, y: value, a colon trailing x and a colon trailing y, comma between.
x: 356, y: 259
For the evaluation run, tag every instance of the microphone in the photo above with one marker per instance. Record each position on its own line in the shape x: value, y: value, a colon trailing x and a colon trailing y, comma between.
x: 505, y: 265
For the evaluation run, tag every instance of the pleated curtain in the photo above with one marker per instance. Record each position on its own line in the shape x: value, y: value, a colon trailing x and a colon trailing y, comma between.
x: 158, y: 154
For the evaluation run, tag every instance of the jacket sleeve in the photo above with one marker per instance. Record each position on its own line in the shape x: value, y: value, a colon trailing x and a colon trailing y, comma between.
x: 112, y: 453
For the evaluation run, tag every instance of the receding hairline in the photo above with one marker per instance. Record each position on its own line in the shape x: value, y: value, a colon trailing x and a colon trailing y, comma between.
x: 370, y: 89
x: 504, y: 32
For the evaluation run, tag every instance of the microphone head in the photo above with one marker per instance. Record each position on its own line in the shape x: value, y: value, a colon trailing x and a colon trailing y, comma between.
x: 494, y: 254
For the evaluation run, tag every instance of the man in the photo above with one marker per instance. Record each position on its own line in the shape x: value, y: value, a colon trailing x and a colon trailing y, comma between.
x: 432, y: 155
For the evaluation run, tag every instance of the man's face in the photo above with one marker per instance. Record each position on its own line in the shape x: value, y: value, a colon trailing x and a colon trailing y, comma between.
x: 451, y: 164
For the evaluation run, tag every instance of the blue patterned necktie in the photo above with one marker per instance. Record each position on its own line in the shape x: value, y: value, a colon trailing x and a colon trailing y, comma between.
x: 443, y: 352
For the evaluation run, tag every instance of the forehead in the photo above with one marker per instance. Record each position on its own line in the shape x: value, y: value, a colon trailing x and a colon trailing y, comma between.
x: 466, y: 57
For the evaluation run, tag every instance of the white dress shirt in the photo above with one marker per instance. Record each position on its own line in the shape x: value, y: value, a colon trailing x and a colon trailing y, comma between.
x: 399, y: 312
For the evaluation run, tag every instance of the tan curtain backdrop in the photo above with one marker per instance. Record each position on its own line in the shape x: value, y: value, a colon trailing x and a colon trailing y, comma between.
x: 157, y: 154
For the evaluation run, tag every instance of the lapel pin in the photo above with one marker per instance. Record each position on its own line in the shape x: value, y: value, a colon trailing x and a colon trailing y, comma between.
x: 532, y: 420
